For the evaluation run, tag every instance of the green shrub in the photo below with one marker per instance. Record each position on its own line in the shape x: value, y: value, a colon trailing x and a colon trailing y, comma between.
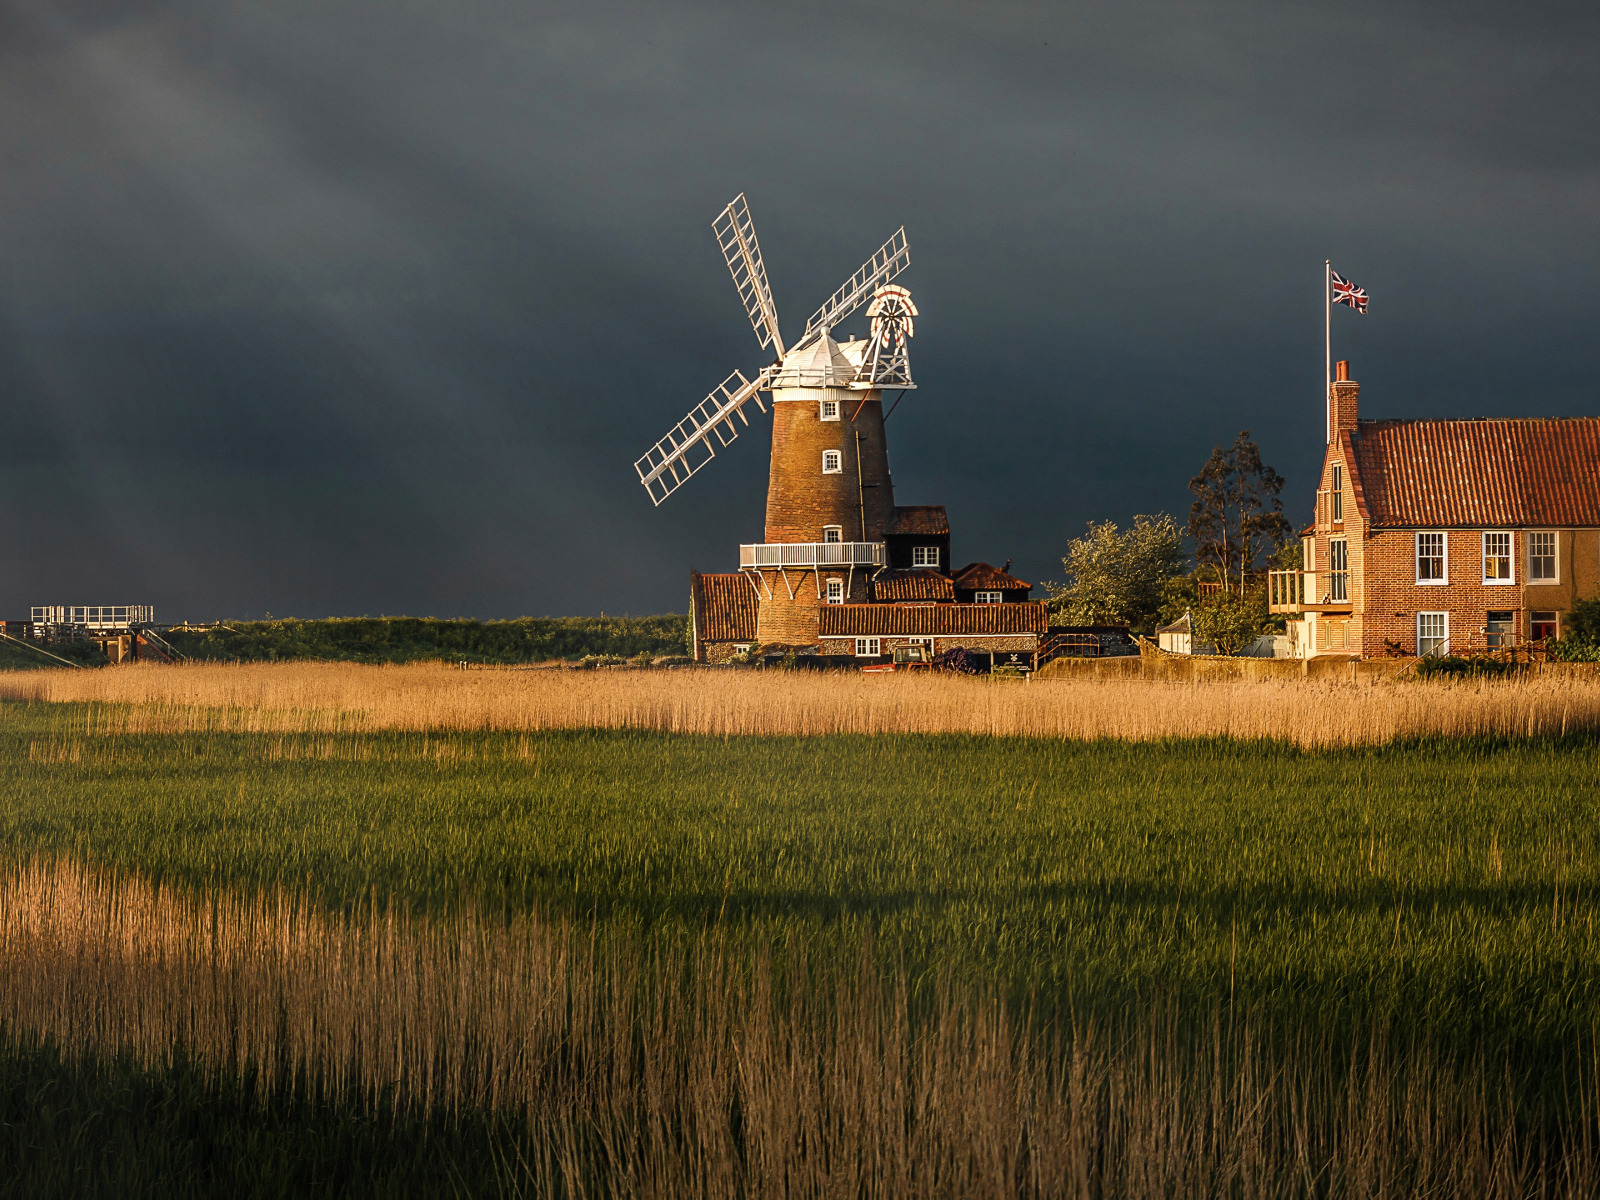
x: 1457, y: 666
x: 1582, y: 640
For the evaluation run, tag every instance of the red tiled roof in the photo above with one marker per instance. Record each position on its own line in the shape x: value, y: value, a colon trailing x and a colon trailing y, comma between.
x: 1482, y: 473
x: 924, y: 586
x: 919, y: 520
x: 724, y: 608
x: 980, y: 576
x: 931, y: 620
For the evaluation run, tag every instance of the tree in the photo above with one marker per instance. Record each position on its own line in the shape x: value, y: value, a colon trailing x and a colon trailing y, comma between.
x: 1236, y: 512
x: 1116, y: 577
x: 1230, y: 622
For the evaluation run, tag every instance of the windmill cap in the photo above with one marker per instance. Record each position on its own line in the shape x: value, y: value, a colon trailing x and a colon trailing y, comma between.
x: 819, y: 364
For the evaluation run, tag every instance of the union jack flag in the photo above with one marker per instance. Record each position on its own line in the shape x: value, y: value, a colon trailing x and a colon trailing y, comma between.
x: 1345, y: 292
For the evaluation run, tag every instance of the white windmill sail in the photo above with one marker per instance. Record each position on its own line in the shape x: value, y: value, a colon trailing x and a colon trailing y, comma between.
x: 892, y: 258
x: 736, y: 234
x: 667, y: 465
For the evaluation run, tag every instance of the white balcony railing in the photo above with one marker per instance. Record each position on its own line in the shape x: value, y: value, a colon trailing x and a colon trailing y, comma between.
x: 94, y: 616
x: 811, y: 554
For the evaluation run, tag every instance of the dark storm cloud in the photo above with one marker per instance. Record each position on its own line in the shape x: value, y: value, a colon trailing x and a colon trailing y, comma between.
x: 356, y: 307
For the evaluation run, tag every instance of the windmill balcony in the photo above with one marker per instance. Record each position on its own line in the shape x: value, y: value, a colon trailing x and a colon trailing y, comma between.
x: 801, y: 555
x: 1298, y: 591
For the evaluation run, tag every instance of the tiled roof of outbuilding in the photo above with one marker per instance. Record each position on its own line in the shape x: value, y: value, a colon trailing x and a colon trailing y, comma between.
x: 919, y: 520
x: 980, y: 576
x: 724, y: 608
x: 1478, y: 474
x: 927, y: 587
x: 931, y: 620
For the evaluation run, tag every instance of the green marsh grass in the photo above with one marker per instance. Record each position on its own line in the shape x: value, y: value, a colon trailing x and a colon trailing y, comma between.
x: 1383, y: 957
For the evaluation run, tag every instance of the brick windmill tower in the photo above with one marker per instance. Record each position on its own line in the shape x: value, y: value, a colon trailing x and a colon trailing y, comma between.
x: 830, y: 499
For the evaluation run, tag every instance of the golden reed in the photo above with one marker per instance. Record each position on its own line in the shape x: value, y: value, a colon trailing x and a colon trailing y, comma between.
x: 634, y: 1068
x: 341, y: 697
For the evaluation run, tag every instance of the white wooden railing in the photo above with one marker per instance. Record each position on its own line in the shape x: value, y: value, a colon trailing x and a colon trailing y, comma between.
x: 811, y: 554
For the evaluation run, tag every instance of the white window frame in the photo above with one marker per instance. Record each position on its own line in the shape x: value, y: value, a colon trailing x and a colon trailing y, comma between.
x: 827, y: 410
x: 832, y: 535
x: 833, y: 462
x: 741, y: 647
x: 1555, y: 556
x: 1338, y: 492
x: 1442, y: 645
x: 929, y: 556
x: 869, y: 647
x: 920, y: 641
x: 834, y: 590
x: 1444, y: 557
x: 1335, y: 570
x: 988, y: 597
x: 1510, y: 557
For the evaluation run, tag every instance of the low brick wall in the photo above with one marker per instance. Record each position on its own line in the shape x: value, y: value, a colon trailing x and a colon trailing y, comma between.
x: 1199, y: 668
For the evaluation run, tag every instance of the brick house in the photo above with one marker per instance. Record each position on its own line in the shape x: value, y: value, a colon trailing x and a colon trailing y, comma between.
x: 1439, y: 536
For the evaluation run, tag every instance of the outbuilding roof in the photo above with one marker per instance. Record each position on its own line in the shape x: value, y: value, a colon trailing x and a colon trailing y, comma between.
x: 931, y: 620
x: 980, y: 576
x: 724, y: 607
x: 919, y: 520
x: 926, y: 587
x: 1487, y: 473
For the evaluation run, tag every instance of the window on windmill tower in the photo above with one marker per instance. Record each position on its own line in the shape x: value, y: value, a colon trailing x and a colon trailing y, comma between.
x: 835, y: 591
x: 830, y: 410
x: 924, y: 556
x: 832, y: 462
x: 833, y: 534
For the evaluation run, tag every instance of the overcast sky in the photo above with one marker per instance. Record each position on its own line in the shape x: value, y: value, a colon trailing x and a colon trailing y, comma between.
x: 327, y: 307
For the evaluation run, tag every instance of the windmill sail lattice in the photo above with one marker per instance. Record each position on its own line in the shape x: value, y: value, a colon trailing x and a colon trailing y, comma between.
x: 668, y: 464
x: 892, y: 258
x: 736, y: 234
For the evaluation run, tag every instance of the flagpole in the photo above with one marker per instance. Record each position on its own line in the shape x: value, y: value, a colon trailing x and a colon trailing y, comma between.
x: 1327, y: 346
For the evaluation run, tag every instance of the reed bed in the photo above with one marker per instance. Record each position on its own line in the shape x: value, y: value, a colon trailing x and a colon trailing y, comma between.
x: 342, y: 697
x: 626, y: 1067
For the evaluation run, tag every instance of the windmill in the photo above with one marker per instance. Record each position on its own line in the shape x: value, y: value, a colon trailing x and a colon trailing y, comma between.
x: 814, y: 361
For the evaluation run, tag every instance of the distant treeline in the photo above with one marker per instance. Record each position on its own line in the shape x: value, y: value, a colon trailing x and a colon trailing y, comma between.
x: 410, y: 639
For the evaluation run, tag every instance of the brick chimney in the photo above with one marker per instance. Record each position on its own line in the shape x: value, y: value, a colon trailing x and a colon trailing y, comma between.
x: 1342, y: 395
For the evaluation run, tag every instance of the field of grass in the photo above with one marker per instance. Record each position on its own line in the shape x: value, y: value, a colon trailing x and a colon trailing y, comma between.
x: 635, y: 962
x: 342, y: 697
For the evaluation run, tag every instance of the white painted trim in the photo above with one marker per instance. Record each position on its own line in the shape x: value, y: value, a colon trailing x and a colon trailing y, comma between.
x: 1416, y: 557
x: 834, y: 579
x: 823, y: 413
x: 1444, y: 644
x: 1555, y: 580
x: 1510, y: 556
x: 873, y: 647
